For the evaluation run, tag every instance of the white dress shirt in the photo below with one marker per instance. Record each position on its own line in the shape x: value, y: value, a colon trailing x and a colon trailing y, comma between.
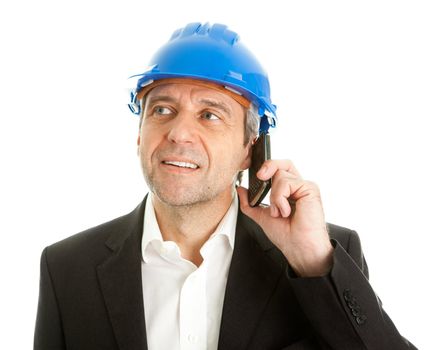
x: 182, y: 302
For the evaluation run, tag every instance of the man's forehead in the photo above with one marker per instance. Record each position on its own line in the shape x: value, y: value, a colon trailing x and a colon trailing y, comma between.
x: 180, y: 86
x: 177, y: 89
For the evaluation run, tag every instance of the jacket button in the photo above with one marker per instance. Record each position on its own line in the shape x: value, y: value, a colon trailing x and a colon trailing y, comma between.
x: 347, y: 295
x: 352, y: 304
x: 356, y: 311
x: 360, y: 320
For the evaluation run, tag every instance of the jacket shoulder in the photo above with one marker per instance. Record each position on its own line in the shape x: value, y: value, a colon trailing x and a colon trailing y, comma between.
x: 88, y: 246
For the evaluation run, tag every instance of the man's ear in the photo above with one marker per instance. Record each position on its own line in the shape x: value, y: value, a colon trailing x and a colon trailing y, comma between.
x: 247, y: 161
x: 138, y: 145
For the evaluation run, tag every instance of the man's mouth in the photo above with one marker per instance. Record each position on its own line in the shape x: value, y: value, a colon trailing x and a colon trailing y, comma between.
x: 181, y: 164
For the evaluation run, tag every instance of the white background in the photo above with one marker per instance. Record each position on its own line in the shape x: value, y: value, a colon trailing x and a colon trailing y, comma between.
x: 351, y: 81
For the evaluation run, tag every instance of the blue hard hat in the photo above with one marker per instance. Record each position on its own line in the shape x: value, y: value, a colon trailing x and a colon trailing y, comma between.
x: 213, y: 53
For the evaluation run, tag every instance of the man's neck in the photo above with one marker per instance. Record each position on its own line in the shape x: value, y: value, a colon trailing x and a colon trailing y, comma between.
x: 191, y: 226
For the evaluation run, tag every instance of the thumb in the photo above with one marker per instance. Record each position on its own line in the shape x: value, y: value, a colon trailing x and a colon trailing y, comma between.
x: 253, y: 213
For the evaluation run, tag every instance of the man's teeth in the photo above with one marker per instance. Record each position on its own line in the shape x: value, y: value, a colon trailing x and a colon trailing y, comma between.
x: 182, y: 164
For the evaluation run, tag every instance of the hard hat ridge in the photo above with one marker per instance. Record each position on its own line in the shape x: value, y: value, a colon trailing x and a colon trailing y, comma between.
x: 217, y: 31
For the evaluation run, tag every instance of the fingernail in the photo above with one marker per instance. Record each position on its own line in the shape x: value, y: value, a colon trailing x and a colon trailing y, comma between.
x: 263, y: 170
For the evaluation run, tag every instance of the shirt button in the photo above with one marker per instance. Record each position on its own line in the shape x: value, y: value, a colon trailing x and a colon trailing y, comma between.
x: 192, y: 338
x: 164, y: 250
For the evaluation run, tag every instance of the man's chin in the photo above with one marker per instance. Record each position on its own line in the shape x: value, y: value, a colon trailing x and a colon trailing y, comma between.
x: 177, y: 201
x: 181, y: 197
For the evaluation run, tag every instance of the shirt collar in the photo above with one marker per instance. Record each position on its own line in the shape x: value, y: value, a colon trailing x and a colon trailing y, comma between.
x: 152, y: 232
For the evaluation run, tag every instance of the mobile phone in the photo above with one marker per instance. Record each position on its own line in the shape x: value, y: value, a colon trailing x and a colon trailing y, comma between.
x: 258, y: 189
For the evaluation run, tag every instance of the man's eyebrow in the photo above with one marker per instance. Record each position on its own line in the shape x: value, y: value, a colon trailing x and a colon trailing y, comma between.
x: 205, y: 101
x: 157, y: 98
x: 216, y: 104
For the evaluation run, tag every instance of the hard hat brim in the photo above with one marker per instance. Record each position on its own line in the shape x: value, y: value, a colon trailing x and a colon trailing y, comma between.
x: 198, y: 82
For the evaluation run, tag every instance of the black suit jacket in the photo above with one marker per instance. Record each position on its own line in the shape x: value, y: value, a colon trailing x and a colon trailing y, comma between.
x: 91, y: 295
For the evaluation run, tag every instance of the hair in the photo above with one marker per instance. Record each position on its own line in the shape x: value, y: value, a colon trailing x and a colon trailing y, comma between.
x: 251, y: 123
x: 251, y: 127
x: 142, y: 103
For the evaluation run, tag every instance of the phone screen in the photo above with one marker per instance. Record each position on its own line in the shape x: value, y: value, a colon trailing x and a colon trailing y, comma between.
x: 258, y: 189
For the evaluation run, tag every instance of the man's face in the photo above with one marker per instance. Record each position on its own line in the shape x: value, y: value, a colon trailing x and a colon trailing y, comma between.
x: 191, y: 143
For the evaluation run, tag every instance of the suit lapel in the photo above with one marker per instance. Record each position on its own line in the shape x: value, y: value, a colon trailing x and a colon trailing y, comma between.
x: 121, y: 283
x: 252, y: 278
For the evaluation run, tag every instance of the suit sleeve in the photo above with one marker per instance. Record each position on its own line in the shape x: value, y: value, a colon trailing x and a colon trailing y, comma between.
x: 343, y: 308
x: 48, y: 333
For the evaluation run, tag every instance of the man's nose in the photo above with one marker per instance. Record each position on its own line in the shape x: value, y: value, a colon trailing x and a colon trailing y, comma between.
x: 183, y: 128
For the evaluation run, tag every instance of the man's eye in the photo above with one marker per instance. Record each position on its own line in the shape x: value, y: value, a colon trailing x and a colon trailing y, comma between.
x: 209, y: 116
x: 162, y: 110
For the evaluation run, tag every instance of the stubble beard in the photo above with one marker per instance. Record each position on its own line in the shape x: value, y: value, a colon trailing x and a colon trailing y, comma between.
x: 183, y: 195
x: 177, y: 191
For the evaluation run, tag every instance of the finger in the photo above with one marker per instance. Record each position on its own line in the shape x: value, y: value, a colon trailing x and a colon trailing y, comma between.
x: 271, y: 166
x: 274, y: 211
x: 245, y: 207
x: 285, y: 190
x: 280, y: 191
x: 293, y: 190
x: 257, y: 213
x: 244, y: 200
x: 285, y: 207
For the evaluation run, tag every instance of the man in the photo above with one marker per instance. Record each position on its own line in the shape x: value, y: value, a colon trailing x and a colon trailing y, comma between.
x: 194, y: 266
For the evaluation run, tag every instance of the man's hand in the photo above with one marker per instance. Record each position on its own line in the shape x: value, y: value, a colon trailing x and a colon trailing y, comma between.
x: 298, y: 230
